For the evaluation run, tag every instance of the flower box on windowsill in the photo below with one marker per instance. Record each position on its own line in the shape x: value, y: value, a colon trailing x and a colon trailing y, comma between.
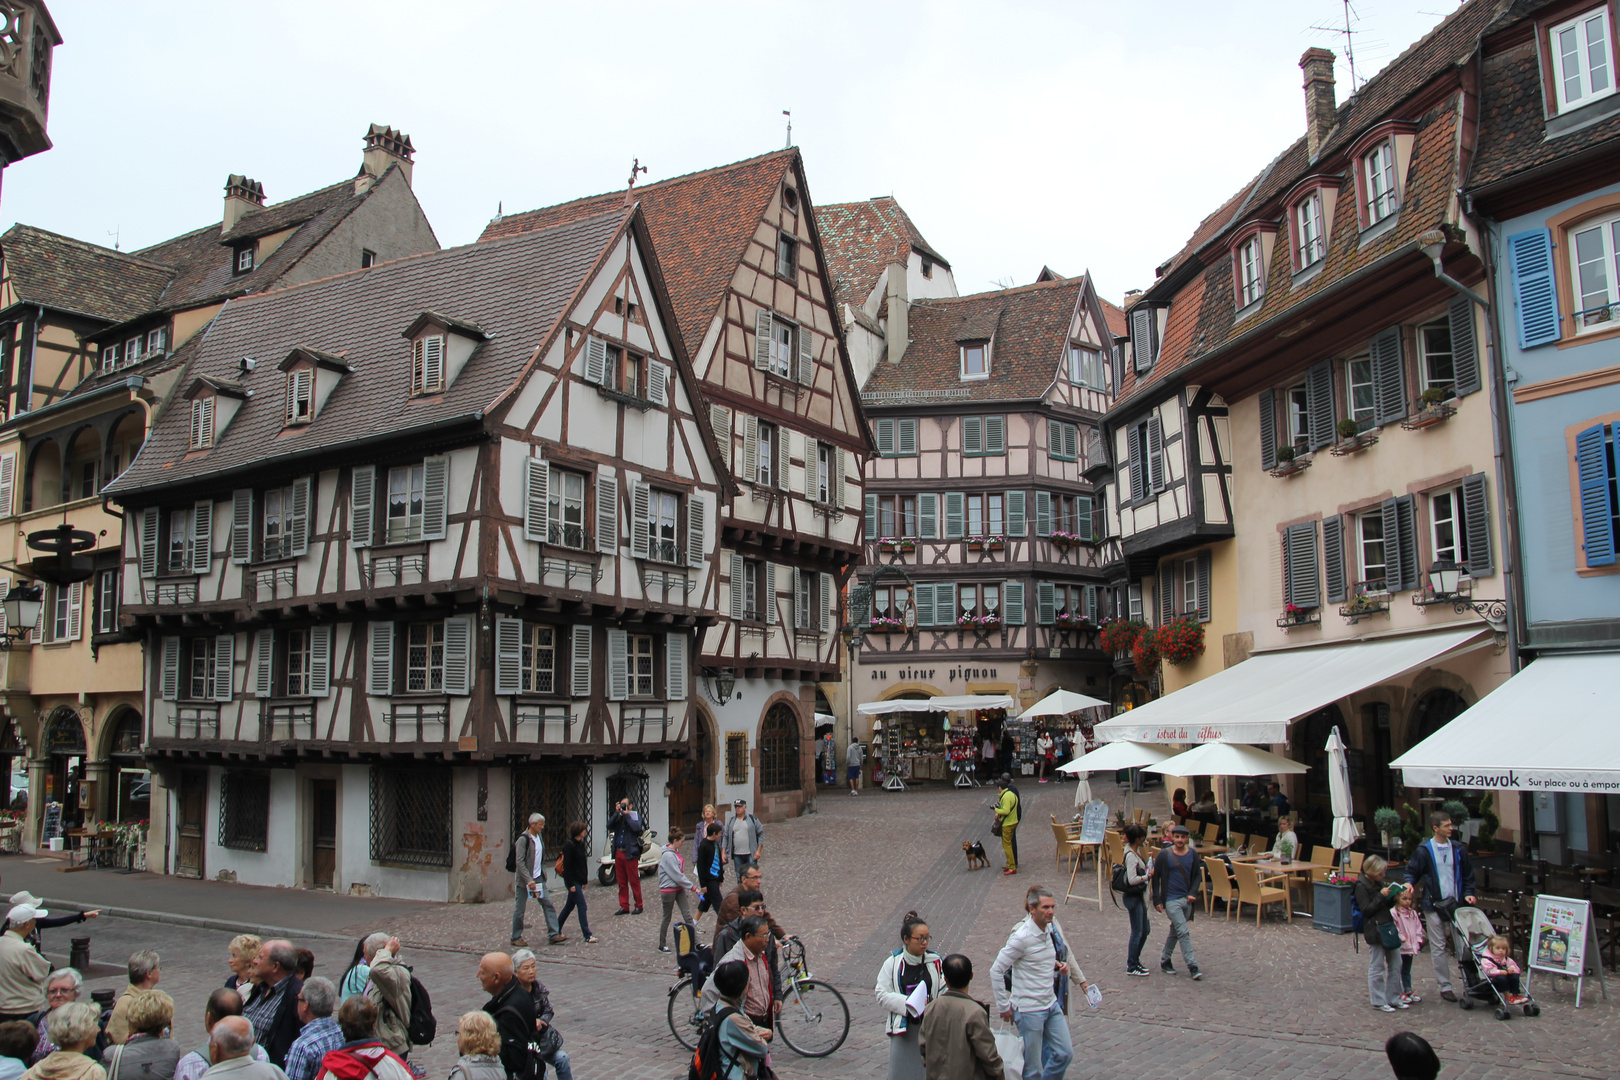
x: 1067, y: 539
x: 1429, y: 415
x: 1364, y: 603
x: 985, y: 543
x: 1295, y: 616
x: 897, y: 547
x: 1064, y: 621
x: 1290, y: 467
x: 979, y: 624
x: 883, y: 625
x: 1355, y: 444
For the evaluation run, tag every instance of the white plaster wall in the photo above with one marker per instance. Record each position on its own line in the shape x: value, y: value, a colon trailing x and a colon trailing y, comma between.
x: 277, y: 865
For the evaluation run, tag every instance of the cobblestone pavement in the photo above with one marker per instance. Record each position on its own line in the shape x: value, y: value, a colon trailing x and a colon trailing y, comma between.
x: 1280, y: 1000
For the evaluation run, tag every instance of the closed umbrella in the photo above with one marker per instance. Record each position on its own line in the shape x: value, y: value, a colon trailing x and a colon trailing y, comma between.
x: 1227, y: 759
x: 1345, y: 830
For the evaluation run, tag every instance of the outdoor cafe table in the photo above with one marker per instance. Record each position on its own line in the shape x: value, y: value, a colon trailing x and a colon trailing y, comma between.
x: 1270, y: 869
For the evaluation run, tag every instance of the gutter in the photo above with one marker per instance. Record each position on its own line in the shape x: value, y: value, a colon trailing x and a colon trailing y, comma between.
x: 132, y: 384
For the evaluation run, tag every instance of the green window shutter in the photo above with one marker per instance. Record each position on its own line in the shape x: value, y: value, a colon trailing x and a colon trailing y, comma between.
x: 928, y: 515
x: 1017, y: 523
x: 871, y: 517
x: 1012, y: 603
x: 955, y: 507
x: 1086, y: 508
x: 1045, y: 603
x: 995, y: 435
x: 1043, y: 513
x: 972, y: 436
x: 885, y: 437
x: 923, y: 599
x: 906, y: 437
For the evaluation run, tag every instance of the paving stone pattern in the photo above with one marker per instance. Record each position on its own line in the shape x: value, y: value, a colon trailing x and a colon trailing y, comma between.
x: 1278, y: 1001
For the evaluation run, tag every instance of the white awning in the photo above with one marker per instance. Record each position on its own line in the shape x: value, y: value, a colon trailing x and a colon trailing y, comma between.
x: 1255, y: 701
x: 1062, y: 703
x: 897, y: 705
x: 971, y: 702
x: 1549, y: 728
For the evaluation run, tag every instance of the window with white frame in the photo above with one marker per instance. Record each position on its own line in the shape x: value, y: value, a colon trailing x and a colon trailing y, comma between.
x: 1358, y: 390
x: 1582, y: 59
x: 639, y: 654
x: 294, y: 681
x: 825, y: 457
x: 1086, y: 367
x: 405, y: 493
x: 1299, y: 415
x: 1446, y: 527
x: 663, y: 514
x: 1436, y: 367
x: 424, y: 657
x: 157, y: 340
x: 787, y: 256
x: 1594, y: 253
x: 1189, y: 586
x: 804, y: 602
x: 1378, y: 168
x: 110, y: 355
x: 782, y: 336
x: 1373, y: 562
x: 975, y: 359
x: 277, y: 540
x: 134, y: 348
x: 244, y: 259
x: 539, y: 658
x: 985, y: 515
x: 1251, y: 274
x: 1309, y: 242
x: 766, y: 463
x: 199, y: 683
x: 181, y: 523
x: 752, y: 610
x: 58, y: 609
x: 566, y: 495
x: 107, y: 602
x: 1133, y: 600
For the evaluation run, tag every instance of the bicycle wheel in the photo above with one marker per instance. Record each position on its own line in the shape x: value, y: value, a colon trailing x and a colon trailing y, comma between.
x: 814, y: 1020
x: 685, y: 1021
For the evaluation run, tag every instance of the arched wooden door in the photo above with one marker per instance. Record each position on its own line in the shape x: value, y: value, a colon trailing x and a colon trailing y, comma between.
x: 691, y: 779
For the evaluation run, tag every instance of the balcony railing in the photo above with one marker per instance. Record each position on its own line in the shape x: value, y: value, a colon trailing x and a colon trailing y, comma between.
x: 275, y: 583
x: 427, y: 721
x: 175, y: 591
x: 570, y: 573
x: 564, y: 534
x: 663, y: 585
x: 196, y: 721
x: 543, y: 724
x: 1601, y: 315
x: 289, y: 720
x: 645, y: 724
x: 401, y: 569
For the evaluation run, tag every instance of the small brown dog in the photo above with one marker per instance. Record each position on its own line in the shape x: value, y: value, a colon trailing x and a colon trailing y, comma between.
x: 974, y: 850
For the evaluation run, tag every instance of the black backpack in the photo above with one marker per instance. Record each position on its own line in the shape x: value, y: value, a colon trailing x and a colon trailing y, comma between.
x: 422, y: 1026
x: 708, y: 1060
x: 511, y: 855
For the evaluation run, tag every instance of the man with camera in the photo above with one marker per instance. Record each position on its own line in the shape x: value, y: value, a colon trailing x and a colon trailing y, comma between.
x: 627, y: 828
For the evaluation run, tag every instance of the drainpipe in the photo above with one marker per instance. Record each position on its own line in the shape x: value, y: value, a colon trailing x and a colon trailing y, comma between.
x: 1433, y: 242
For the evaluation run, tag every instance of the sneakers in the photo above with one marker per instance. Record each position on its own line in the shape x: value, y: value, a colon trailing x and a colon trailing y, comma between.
x: 519, y: 943
x: 1167, y: 967
x: 1384, y: 1008
x: 1411, y: 999
x: 1403, y: 1005
x: 1194, y: 972
x: 663, y: 948
x: 1139, y: 971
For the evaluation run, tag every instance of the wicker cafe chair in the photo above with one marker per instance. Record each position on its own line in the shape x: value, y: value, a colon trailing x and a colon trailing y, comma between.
x: 1218, y: 885
x: 1252, y: 891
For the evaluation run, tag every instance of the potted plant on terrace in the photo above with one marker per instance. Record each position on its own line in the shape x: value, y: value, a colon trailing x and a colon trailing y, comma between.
x: 980, y: 623
x: 1064, y: 539
x: 890, y: 545
x: 1435, y: 406
x: 1352, y: 439
x: 1488, y: 850
x: 1289, y: 461
x: 1387, y: 822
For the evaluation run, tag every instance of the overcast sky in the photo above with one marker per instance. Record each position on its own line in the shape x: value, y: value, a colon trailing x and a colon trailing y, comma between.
x: 1080, y: 134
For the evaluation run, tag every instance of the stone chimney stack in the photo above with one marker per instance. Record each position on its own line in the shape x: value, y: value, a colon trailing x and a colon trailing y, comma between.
x: 242, y: 197
x: 1321, y: 106
x: 384, y: 147
x: 897, y: 331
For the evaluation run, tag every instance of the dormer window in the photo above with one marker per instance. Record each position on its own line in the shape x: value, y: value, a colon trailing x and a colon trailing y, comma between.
x: 300, y: 396
x: 927, y: 267
x: 244, y: 259
x: 427, y: 364
x: 368, y: 258
x: 202, y: 422
x: 1251, y: 272
x: 975, y: 359
x: 1583, y: 63
x: 157, y: 340
x: 1144, y: 339
x: 1378, y: 169
x: 133, y: 349
x: 1310, y: 239
x: 110, y: 355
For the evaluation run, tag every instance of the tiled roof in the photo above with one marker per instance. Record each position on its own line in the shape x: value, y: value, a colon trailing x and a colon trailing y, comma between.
x: 71, y: 275
x: 701, y: 223
x: 1116, y: 317
x: 861, y: 239
x: 516, y: 289
x: 1512, y: 132
x: 1030, y: 325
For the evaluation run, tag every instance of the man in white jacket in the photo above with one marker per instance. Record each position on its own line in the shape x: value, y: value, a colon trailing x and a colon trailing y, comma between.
x: 1037, y: 958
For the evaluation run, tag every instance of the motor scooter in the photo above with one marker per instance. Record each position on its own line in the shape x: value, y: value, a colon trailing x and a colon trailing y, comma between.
x: 648, y: 862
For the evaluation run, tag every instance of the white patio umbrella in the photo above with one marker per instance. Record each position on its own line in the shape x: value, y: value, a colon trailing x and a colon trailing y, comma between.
x: 1112, y: 757
x: 1061, y: 703
x: 1345, y: 830
x: 1227, y: 759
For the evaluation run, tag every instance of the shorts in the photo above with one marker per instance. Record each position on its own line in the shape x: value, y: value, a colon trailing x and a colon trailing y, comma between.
x: 854, y: 772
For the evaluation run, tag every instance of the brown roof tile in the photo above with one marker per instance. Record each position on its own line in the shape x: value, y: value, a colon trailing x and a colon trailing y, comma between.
x: 861, y: 239
x: 71, y: 275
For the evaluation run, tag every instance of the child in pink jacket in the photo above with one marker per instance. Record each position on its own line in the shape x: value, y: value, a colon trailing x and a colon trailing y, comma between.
x: 1410, y: 924
x: 1499, y: 966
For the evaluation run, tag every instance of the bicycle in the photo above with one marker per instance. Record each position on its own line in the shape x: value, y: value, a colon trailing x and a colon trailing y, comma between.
x: 813, y: 1023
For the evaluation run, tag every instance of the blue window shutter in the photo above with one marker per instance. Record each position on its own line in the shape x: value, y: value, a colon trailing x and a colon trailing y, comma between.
x: 1535, y: 299
x: 1597, y: 525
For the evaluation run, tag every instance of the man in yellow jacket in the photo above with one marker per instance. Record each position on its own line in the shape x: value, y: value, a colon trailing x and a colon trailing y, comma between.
x: 1007, y: 818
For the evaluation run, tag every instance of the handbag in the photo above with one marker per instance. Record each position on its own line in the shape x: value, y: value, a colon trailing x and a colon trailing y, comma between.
x: 557, y: 866
x: 995, y: 829
x: 1390, y: 935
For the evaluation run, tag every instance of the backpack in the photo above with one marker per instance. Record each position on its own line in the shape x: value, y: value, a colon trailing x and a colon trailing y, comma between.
x: 511, y: 855
x: 708, y: 1060
x: 422, y: 1026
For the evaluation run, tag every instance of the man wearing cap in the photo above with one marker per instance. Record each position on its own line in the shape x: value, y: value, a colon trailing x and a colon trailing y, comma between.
x: 22, y: 969
x: 744, y: 838
x: 72, y: 917
x: 1176, y: 875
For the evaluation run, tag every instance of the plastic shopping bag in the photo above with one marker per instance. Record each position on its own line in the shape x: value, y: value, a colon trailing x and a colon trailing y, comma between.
x: 1010, y: 1045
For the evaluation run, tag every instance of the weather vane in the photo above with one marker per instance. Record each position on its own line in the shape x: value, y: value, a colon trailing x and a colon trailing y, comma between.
x: 789, y: 114
x: 636, y: 167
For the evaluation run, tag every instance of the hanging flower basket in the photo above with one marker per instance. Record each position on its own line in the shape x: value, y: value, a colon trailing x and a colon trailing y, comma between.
x: 1120, y: 635
x: 1180, y: 642
x: 1145, y: 653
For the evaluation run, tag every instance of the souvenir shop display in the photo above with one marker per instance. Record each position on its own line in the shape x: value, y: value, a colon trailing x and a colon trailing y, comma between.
x: 965, y: 754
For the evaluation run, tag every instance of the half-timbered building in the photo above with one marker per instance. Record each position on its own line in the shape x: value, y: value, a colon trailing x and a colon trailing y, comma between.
x: 985, y: 559
x: 754, y: 302
x: 418, y: 550
x: 92, y: 342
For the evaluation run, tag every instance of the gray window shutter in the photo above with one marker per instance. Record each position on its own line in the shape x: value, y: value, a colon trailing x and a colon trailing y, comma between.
x: 840, y: 470
x: 751, y: 449
x: 202, y: 537
x: 697, y: 510
x: 827, y: 600
x: 1477, y: 520
x: 1333, y: 559
x: 536, y: 499
x: 75, y: 628
x: 1054, y: 438
x: 508, y: 655
x: 299, y: 515
x: 922, y: 596
x: 150, y: 522
x: 1071, y: 442
x: 224, y: 667
x: 675, y: 666
x: 657, y: 383
x: 8, y: 484
x: 1464, y: 346
x: 595, y: 361
x: 380, y: 668
x: 607, y: 513
x: 906, y: 436
x: 807, y: 357
x: 1091, y: 603
x: 1086, y: 509
x: 1043, y: 513
x: 720, y: 421
x: 762, y: 340
x: 784, y: 450
x: 362, y: 500
x: 1012, y: 603
x: 801, y: 617
x: 458, y: 655
x: 618, y: 643
x: 242, y: 526
x: 1142, y: 328
x: 1167, y: 592
x: 767, y: 592
x: 1319, y: 404
x: 1017, y: 523
x: 640, y: 507
x: 1388, y: 510
x: 995, y: 434
x: 435, y: 497
x: 871, y: 517
x: 263, y: 671
x: 1045, y: 603
x: 885, y: 437
x: 1139, y: 465
x: 973, y: 435
x: 737, y: 572
x: 580, y: 680
x: 1406, y: 521
x: 320, y: 661
x: 812, y: 470
x: 1304, y: 587
x: 945, y: 604
x: 955, y: 513
x: 928, y: 515
x: 1203, y: 585
x: 169, y: 675
x: 1389, y: 377
x: 1268, y: 429
x: 1155, y: 462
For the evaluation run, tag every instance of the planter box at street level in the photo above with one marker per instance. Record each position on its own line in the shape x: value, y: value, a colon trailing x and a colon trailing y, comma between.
x: 1332, y: 910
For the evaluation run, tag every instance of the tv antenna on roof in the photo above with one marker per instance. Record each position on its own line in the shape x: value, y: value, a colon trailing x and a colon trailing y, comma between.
x: 789, y: 114
x: 1348, y: 31
x: 114, y: 233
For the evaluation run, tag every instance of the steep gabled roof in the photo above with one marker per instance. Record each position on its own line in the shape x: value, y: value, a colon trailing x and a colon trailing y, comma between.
x: 861, y: 239
x: 70, y: 275
x: 517, y: 289
x: 701, y: 223
x: 1029, y: 327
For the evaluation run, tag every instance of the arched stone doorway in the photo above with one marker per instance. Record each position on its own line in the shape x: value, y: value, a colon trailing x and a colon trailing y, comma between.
x: 130, y: 798
x: 780, y: 746
x: 691, y: 778
x: 66, y: 764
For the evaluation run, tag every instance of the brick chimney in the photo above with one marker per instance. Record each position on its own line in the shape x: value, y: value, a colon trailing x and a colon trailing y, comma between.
x: 1321, y: 106
x: 242, y: 197
x: 384, y: 147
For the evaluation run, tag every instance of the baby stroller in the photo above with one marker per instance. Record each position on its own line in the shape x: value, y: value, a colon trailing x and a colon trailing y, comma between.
x: 1471, y: 932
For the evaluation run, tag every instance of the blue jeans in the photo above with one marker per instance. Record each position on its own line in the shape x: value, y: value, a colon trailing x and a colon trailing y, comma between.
x: 1178, y: 912
x: 1136, y: 907
x: 558, y: 1061
x: 1047, y: 1048
x: 521, y: 897
x: 576, y: 901
x: 742, y: 862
